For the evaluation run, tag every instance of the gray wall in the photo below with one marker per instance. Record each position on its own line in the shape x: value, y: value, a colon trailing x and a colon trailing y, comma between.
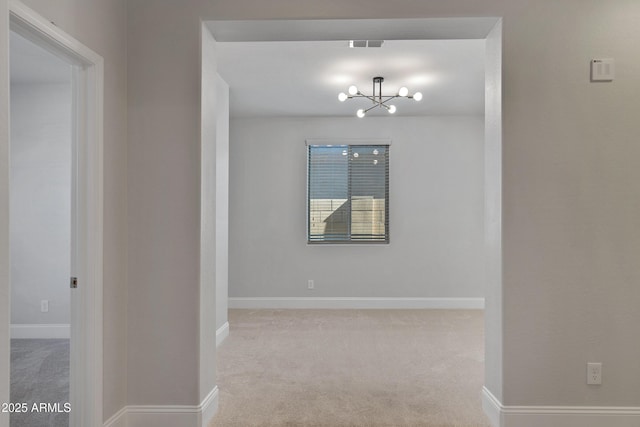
x: 40, y: 202
x: 436, y: 211
x: 570, y: 203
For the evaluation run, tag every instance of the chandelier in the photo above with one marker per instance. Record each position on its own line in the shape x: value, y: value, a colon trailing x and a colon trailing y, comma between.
x: 378, y: 99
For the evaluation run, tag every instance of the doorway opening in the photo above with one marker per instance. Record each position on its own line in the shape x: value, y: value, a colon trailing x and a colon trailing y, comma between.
x: 41, y: 87
x: 274, y: 164
x: 54, y: 234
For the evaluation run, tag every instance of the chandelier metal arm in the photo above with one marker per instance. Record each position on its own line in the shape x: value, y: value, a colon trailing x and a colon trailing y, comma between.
x: 375, y: 106
x: 389, y: 98
x: 362, y: 95
x: 375, y: 99
x: 378, y: 99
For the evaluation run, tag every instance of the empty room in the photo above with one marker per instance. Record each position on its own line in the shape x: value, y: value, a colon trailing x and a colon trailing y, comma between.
x: 356, y: 228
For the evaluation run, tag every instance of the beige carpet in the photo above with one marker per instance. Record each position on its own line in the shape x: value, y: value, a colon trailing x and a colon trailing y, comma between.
x: 351, y: 368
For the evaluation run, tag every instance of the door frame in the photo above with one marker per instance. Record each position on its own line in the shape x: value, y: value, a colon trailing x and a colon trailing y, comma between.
x: 86, y: 375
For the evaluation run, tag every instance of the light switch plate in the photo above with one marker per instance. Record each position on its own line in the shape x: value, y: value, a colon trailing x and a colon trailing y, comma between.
x: 603, y: 70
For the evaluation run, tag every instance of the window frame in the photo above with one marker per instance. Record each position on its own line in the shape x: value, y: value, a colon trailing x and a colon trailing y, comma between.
x: 348, y: 142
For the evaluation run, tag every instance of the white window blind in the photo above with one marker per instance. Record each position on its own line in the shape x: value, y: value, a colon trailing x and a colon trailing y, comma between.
x: 348, y: 193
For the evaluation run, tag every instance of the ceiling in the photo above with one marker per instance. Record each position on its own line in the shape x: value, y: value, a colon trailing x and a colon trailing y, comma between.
x: 298, y: 67
x: 33, y: 64
x: 303, y: 78
x: 292, y: 75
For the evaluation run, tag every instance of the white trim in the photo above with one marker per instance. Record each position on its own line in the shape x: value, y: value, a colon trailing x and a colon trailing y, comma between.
x: 86, y: 307
x: 356, y: 303
x: 558, y: 416
x: 209, y: 406
x: 37, y: 26
x: 491, y: 406
x: 347, y: 141
x: 167, y: 415
x: 119, y: 419
x: 222, y: 333
x: 5, y: 268
x: 43, y: 331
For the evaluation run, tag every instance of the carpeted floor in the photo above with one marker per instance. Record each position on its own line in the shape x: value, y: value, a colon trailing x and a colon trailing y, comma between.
x: 40, y: 374
x: 352, y: 368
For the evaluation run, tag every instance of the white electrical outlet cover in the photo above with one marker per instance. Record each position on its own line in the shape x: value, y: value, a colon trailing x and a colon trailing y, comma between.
x: 594, y: 373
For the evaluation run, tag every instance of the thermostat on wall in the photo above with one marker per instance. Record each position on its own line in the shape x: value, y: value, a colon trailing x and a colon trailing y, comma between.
x: 602, y: 70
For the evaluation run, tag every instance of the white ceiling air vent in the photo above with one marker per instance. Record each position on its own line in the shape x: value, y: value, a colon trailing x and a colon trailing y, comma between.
x: 365, y: 43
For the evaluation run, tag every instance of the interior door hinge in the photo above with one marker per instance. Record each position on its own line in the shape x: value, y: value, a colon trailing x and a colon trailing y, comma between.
x: 74, y: 282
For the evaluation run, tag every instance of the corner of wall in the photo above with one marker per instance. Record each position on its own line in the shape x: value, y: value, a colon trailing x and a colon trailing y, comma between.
x: 208, y: 233
x: 5, y: 296
x: 493, y: 211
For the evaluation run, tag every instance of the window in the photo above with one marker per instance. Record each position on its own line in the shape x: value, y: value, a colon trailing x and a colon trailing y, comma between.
x: 348, y: 193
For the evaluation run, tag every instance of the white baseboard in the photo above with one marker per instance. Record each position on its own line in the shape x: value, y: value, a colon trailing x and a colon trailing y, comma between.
x: 209, y: 407
x: 222, y: 333
x: 355, y: 303
x: 492, y: 407
x: 558, y: 416
x: 167, y: 415
x: 34, y: 331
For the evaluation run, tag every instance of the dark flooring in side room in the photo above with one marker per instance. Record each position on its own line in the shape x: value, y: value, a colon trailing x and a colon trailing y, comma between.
x: 40, y: 374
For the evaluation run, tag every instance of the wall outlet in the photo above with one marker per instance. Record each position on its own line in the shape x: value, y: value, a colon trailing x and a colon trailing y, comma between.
x: 310, y: 284
x: 44, y: 306
x: 594, y: 373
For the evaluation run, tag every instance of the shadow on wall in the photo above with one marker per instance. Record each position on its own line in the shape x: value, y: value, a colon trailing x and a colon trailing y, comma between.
x: 336, y: 219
